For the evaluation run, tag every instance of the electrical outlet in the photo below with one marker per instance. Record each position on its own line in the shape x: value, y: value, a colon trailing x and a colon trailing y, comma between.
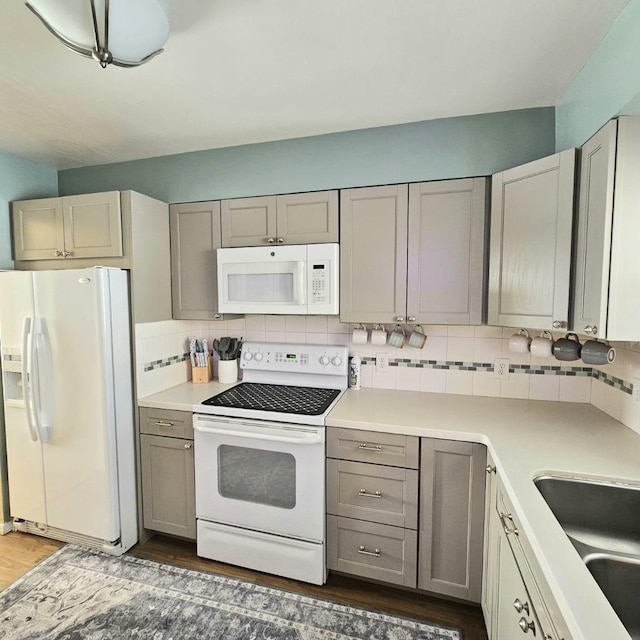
x: 501, y: 368
x: 636, y: 389
x: 382, y: 361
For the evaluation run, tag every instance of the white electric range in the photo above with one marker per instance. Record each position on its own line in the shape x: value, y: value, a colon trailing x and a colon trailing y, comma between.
x: 260, y: 460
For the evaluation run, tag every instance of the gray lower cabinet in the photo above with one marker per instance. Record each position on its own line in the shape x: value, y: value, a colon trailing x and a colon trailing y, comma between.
x: 372, y: 505
x: 71, y: 227
x: 452, y: 486
x: 195, y: 236
x: 489, y: 560
x: 167, y: 470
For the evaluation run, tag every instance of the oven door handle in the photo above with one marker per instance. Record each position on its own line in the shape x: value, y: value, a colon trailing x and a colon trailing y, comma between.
x: 307, y: 438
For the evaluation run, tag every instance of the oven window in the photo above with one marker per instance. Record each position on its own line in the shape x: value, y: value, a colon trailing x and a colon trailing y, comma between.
x: 256, y: 475
x: 261, y: 287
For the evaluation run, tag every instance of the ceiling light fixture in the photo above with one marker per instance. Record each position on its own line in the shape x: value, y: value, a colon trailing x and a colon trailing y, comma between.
x: 125, y: 33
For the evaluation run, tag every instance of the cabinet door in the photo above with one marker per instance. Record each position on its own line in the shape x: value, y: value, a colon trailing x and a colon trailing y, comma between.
x: 92, y: 225
x: 307, y: 218
x: 530, y: 244
x: 195, y: 236
x: 249, y: 222
x: 593, y: 236
x: 445, y: 279
x: 168, y: 485
x: 490, y: 550
x: 373, y: 254
x: 38, y: 232
x: 452, y: 485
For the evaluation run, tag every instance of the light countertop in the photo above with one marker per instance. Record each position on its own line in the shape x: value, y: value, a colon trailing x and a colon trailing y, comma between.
x: 526, y: 438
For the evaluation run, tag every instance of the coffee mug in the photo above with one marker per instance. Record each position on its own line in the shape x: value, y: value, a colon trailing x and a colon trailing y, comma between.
x: 540, y: 347
x: 594, y: 352
x: 378, y: 335
x: 567, y: 348
x: 397, y: 337
x: 519, y: 342
x: 360, y: 335
x: 417, y: 338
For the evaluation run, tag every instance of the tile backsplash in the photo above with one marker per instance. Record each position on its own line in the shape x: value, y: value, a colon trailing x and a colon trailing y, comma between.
x: 455, y: 359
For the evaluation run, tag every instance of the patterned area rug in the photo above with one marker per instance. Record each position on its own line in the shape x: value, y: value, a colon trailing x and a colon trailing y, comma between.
x: 81, y: 594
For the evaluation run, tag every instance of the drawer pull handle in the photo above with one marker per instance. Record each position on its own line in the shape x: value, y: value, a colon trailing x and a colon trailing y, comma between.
x: 525, y: 625
x: 163, y: 423
x: 367, y: 447
x: 187, y: 445
x: 376, y: 552
x: 365, y: 494
x: 521, y: 606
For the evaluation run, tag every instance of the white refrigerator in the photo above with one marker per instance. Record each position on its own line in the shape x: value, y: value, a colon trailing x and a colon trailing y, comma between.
x: 68, y: 405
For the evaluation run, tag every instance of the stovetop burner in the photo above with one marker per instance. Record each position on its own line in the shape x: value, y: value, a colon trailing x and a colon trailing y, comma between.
x: 307, y: 401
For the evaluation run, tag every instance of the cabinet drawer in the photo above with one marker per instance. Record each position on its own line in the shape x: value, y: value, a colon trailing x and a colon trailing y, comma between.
x: 166, y: 422
x: 371, y: 550
x: 369, y: 446
x: 386, y: 495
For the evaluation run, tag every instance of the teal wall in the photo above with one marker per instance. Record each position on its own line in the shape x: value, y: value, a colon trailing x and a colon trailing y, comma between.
x: 19, y: 180
x: 608, y: 85
x: 431, y: 150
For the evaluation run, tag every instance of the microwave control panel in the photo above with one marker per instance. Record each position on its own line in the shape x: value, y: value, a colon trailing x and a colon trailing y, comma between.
x: 320, y: 282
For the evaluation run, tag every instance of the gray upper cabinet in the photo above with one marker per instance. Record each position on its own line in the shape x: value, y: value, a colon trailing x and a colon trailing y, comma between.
x: 446, y: 275
x: 452, y: 488
x: 299, y: 218
x: 530, y: 243
x: 373, y: 254
x: 82, y: 226
x: 195, y: 236
x: 607, y: 275
x: 413, y: 253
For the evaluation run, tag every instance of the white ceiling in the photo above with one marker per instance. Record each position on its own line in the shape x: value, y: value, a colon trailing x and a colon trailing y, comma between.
x: 242, y: 71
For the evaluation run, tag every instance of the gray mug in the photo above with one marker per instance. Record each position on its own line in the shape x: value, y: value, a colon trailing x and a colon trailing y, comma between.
x: 567, y: 348
x: 594, y: 352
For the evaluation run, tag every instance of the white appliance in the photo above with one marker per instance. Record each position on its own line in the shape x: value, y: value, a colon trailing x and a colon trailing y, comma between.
x: 296, y: 279
x: 68, y: 405
x: 260, y: 460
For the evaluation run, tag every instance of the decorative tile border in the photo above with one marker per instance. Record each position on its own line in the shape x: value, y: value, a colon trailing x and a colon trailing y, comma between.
x: 165, y: 362
x: 545, y: 370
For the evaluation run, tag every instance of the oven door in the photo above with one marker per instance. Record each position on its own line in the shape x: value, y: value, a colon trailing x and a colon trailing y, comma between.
x: 263, y: 476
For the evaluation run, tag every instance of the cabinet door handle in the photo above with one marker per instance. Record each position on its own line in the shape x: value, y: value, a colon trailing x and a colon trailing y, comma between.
x: 376, y: 552
x: 59, y: 254
x: 187, y: 445
x: 521, y: 606
x: 366, y: 447
x: 400, y: 319
x: 66, y: 254
x: 504, y: 517
x: 271, y: 240
x: 280, y: 240
x: 559, y: 324
x: 163, y: 423
x: 490, y: 468
x: 525, y: 625
x: 411, y: 318
x: 364, y: 494
x: 591, y: 331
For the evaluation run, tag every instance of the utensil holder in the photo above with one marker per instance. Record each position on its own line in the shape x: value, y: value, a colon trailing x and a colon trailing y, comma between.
x: 202, y: 375
x: 227, y: 371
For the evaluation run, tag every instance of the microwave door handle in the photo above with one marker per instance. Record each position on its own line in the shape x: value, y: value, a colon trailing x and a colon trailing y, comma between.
x: 300, y: 285
x: 26, y: 375
x: 311, y: 438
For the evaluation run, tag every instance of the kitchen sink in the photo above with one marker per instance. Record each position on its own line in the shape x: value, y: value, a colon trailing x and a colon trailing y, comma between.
x: 602, y: 521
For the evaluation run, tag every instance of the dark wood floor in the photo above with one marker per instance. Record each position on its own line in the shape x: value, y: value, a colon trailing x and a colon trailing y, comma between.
x: 19, y: 552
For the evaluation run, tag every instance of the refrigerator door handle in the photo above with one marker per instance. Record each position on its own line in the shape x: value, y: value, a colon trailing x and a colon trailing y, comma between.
x: 26, y: 376
x: 43, y: 370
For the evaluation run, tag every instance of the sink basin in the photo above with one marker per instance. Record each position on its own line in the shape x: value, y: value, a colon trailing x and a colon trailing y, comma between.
x: 619, y: 579
x: 602, y: 521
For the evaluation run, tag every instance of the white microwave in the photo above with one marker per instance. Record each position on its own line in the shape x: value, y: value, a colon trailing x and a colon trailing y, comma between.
x: 296, y: 279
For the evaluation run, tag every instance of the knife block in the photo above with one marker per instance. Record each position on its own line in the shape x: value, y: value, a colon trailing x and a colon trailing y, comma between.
x: 202, y: 375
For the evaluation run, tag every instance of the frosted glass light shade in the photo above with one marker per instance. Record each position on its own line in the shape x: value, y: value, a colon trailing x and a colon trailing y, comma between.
x: 138, y: 29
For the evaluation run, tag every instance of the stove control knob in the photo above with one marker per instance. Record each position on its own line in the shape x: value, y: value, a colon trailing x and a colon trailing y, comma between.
x: 258, y: 356
x: 324, y: 360
x: 336, y: 361
x: 247, y: 355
